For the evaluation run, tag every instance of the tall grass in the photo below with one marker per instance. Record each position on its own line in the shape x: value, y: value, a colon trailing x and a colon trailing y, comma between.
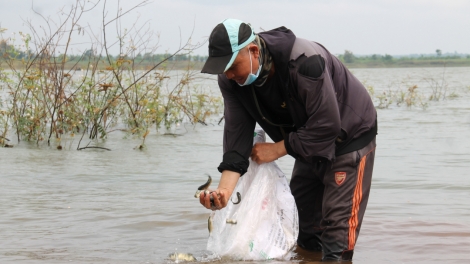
x: 412, y: 94
x: 44, y: 98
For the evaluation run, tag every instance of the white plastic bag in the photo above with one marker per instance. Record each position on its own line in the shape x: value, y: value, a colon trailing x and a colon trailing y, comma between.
x: 266, y: 218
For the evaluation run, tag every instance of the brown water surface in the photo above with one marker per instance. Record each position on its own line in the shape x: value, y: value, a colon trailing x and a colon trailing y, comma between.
x: 130, y: 206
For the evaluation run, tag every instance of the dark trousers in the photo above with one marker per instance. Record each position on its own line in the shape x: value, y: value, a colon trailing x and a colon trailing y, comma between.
x: 331, y: 199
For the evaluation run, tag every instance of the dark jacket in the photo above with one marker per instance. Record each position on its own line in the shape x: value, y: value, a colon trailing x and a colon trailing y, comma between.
x: 330, y: 108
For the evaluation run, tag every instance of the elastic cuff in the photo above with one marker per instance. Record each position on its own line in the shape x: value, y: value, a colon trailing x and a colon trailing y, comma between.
x: 234, y: 161
x: 288, y: 147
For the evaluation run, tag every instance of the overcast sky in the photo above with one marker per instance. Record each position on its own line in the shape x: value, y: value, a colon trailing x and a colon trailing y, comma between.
x: 396, y: 27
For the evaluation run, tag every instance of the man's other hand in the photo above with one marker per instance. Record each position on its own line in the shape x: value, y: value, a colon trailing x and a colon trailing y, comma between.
x: 267, y: 152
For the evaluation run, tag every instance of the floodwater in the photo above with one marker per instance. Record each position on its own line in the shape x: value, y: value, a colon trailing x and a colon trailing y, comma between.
x: 132, y: 206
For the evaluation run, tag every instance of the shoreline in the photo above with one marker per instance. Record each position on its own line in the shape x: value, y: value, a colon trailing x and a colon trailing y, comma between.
x: 407, y: 65
x: 197, y: 65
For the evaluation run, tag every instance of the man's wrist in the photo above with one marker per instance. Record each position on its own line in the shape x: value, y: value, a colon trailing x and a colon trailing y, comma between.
x: 281, y: 149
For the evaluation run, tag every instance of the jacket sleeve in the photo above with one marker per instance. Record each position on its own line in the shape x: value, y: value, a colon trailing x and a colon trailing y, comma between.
x: 316, y: 138
x: 238, y: 130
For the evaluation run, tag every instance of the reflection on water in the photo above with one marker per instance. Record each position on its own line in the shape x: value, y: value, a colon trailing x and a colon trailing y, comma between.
x: 130, y: 206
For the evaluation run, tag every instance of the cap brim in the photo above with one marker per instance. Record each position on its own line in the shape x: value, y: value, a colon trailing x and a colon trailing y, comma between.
x: 216, y: 65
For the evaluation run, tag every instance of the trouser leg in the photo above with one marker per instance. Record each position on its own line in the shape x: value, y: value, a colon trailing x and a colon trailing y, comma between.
x: 307, y: 189
x: 347, y: 185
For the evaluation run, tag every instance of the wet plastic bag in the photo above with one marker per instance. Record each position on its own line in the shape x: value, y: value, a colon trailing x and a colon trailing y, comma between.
x: 264, y: 225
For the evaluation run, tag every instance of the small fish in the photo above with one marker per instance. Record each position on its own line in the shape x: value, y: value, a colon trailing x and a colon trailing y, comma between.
x: 209, y: 223
x: 181, y: 257
x: 231, y: 221
x: 211, y: 198
x: 239, y: 196
x: 203, y: 187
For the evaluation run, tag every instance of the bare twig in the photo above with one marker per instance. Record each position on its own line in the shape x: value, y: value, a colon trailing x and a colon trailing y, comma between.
x: 94, y: 147
x: 4, y: 138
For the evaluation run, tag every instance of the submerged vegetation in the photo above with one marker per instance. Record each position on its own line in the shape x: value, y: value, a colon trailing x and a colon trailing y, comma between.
x: 45, y: 96
x: 49, y: 95
x: 410, y: 94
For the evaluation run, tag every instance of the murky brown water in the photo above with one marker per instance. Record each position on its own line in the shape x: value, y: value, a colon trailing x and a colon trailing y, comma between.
x: 129, y: 206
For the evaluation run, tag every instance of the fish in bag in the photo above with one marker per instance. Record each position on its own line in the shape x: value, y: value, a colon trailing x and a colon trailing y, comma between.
x: 264, y: 224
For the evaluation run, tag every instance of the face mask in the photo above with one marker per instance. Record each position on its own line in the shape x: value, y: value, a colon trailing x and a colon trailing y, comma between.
x: 251, y: 77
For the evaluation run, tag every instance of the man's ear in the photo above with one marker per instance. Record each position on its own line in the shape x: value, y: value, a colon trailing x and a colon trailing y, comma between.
x: 254, y: 49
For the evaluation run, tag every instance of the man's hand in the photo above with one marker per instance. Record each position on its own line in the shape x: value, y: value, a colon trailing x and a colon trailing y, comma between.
x: 219, y: 199
x: 267, y: 152
x: 221, y: 195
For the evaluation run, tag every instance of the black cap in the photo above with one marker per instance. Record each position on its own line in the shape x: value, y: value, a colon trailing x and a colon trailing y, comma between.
x: 226, y: 39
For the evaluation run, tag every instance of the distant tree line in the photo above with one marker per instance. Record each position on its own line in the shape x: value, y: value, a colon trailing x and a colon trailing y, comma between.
x: 347, y: 57
x: 148, y: 57
x: 379, y: 60
x: 9, y: 50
